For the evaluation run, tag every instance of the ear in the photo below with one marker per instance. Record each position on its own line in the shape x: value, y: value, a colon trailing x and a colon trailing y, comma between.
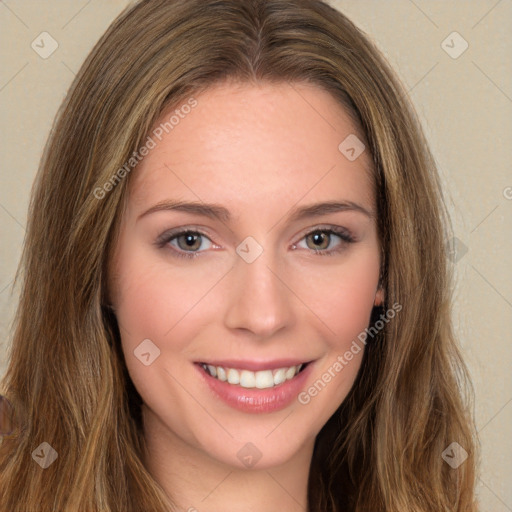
x: 379, y: 297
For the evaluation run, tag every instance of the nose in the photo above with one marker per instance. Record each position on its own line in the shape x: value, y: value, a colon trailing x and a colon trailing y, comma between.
x: 260, y: 299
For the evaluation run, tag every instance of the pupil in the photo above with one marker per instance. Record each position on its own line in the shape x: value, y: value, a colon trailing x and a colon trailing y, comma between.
x: 317, y: 238
x: 190, y: 241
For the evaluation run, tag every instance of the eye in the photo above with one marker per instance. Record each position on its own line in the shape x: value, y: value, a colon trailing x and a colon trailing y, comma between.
x: 321, y: 239
x: 185, y: 243
x: 188, y: 243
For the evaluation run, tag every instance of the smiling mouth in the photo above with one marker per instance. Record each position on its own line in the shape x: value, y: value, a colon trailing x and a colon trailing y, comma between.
x: 262, y: 379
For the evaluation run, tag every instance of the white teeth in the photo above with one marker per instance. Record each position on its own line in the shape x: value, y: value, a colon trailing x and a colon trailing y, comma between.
x: 264, y: 379
x: 290, y: 373
x: 247, y: 379
x: 280, y: 376
x: 261, y: 379
x: 221, y: 374
x: 233, y: 376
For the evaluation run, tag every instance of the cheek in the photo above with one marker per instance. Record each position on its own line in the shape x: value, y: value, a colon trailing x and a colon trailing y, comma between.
x: 157, y: 296
x: 342, y: 295
x: 342, y: 298
x: 156, y: 290
x: 160, y: 299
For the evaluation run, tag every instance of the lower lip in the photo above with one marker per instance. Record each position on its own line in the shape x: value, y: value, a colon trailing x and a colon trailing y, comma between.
x: 253, y: 399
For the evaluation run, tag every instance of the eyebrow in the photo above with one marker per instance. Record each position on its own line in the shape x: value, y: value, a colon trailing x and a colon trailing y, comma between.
x: 216, y: 211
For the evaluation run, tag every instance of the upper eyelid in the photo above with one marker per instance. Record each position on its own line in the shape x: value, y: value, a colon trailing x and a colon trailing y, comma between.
x: 174, y: 233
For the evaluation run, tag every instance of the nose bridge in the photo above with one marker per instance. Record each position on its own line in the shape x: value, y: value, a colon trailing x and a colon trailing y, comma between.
x: 259, y: 300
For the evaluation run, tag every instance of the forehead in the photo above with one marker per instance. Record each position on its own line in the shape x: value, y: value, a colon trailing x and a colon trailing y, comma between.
x: 251, y: 143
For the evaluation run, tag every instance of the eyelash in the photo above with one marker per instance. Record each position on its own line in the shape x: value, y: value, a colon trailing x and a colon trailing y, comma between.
x: 167, y: 237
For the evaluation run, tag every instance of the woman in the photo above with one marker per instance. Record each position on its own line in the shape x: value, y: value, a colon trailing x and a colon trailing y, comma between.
x: 179, y: 343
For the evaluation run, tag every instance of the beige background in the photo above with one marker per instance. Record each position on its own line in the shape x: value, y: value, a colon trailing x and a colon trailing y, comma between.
x: 465, y: 104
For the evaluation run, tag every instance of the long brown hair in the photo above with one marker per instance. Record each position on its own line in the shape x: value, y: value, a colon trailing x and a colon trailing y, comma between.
x: 66, y: 375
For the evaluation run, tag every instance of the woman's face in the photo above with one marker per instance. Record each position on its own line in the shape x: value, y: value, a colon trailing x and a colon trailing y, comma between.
x: 262, y: 288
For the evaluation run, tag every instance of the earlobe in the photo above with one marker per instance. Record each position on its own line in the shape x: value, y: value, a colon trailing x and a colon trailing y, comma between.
x: 379, y: 297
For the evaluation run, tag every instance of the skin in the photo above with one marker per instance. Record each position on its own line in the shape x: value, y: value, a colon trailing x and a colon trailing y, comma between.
x: 259, y: 151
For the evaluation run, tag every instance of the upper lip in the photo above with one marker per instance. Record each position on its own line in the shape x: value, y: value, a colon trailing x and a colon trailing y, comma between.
x: 255, y: 365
